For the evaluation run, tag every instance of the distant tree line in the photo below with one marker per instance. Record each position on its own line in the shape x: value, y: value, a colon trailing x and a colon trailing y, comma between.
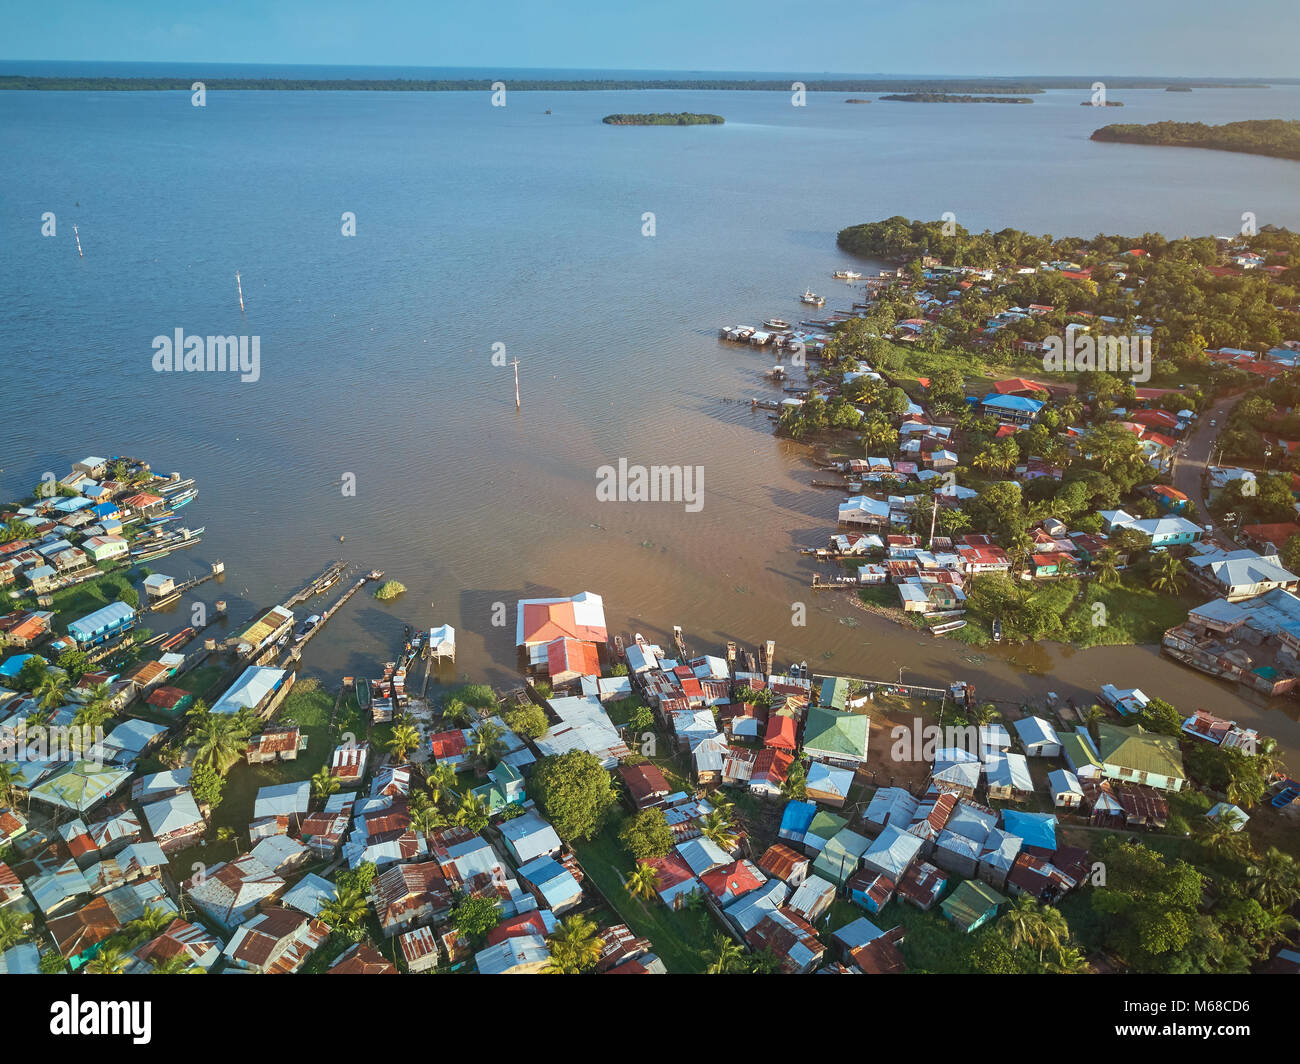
x: 949, y: 97
x: 683, y: 118
x: 1277, y: 137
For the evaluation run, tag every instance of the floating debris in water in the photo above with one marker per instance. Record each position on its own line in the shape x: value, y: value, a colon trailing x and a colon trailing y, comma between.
x: 850, y: 621
x: 741, y: 589
x: 827, y: 655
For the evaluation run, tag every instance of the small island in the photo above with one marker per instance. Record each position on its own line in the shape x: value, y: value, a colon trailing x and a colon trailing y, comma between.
x: 1276, y: 137
x: 684, y: 118
x: 949, y: 97
x: 1178, y: 88
x: 856, y: 99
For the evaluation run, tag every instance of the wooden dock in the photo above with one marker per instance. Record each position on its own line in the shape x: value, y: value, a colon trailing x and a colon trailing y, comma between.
x: 294, y: 650
x: 174, y: 596
x: 326, y: 580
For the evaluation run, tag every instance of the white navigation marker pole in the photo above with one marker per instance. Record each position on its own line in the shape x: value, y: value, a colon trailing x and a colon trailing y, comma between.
x: 515, y: 363
x: 80, y: 253
x: 240, y: 289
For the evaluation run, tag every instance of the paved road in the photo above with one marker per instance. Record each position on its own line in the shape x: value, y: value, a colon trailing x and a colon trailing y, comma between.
x: 1194, y: 456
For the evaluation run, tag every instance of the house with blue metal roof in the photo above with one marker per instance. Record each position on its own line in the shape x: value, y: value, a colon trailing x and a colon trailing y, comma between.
x: 107, y: 622
x: 1017, y: 409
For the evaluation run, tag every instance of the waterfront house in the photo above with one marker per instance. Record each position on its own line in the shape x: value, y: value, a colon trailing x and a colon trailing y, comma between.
x: 1038, y: 737
x: 539, y: 622
x: 102, y: 625
x: 836, y: 737
x: 862, y: 511
x: 972, y: 905
x: 105, y: 548
x: 1135, y: 755
x: 1240, y: 574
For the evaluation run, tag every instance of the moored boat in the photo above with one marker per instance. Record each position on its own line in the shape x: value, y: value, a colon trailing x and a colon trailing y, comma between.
x: 812, y: 299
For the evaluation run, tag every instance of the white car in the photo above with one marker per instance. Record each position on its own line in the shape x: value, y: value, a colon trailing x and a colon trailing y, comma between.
x: 1213, y: 422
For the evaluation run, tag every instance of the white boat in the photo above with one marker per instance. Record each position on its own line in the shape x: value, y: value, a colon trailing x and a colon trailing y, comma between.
x: 847, y: 275
x: 812, y: 299
x: 779, y: 324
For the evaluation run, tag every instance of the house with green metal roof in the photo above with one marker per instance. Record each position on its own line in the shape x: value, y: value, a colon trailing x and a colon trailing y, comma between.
x: 972, y: 905
x: 1076, y: 748
x: 836, y: 737
x: 80, y: 786
x: 1136, y: 755
x: 834, y: 692
x: 505, y: 787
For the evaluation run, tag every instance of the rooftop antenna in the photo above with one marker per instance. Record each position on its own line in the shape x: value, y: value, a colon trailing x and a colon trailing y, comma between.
x: 80, y: 253
x: 240, y: 289
x: 515, y: 363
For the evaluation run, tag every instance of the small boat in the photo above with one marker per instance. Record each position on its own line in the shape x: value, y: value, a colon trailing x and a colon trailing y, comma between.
x: 679, y: 641
x: 997, y: 631
x: 847, y: 275
x: 363, y: 693
x: 812, y: 299
x: 175, y: 485
x: 183, y: 498
x: 776, y: 323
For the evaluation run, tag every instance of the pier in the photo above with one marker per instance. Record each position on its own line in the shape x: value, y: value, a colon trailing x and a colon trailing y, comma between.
x: 173, y: 596
x: 326, y: 580
x: 294, y: 652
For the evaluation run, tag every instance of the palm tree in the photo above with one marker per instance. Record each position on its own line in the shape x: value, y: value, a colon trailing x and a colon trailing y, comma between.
x: 404, y: 739
x: 643, y: 882
x: 440, y: 779
x: 1167, y: 574
x: 220, y: 742
x: 9, y: 777
x: 1093, y: 716
x: 1274, y: 879
x: 323, y: 783
x: 53, y: 689
x: 1070, y: 961
x: 488, y: 747
x: 719, y: 828
x: 345, y: 912
x: 1054, y: 930
x: 109, y: 961
x: 198, y: 712
x: 986, y: 714
x: 13, y: 929
x: 726, y: 955
x: 428, y: 818
x: 457, y: 712
x: 15, y: 529
x: 150, y: 923
x: 1222, y: 837
x: 178, y: 964
x: 1023, y: 923
x: 1107, y: 568
x: 473, y: 811
x: 574, y: 946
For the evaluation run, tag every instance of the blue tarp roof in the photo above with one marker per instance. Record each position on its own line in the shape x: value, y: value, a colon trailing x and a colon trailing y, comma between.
x: 13, y: 664
x: 1037, y: 829
x: 797, y: 817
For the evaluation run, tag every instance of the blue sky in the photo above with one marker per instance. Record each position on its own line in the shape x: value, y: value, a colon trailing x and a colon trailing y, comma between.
x: 1131, y: 37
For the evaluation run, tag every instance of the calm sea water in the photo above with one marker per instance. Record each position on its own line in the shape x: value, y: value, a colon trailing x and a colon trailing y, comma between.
x: 479, y: 225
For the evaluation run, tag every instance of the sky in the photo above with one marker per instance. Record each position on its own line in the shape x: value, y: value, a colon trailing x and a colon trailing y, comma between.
x: 1158, y: 38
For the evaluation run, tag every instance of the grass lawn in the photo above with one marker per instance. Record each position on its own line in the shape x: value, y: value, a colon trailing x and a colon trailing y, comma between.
x: 1132, y: 614
x: 682, y: 939
x: 77, y: 601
